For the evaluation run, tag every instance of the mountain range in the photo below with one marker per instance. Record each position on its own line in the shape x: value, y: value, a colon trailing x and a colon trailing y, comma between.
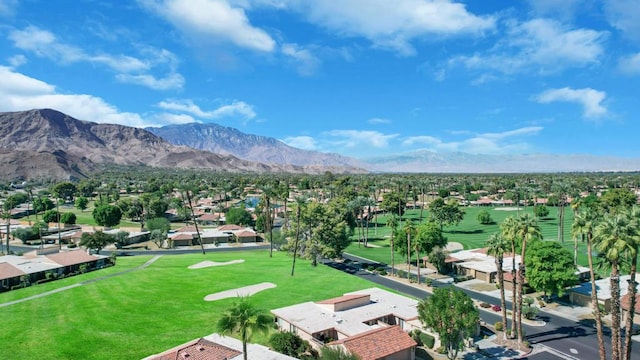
x: 45, y: 143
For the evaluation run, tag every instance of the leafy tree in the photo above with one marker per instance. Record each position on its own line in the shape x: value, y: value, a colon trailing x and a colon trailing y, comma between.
x: 445, y: 213
x: 81, y: 203
x: 41, y: 204
x: 245, y: 320
x: 438, y: 257
x: 24, y: 234
x: 50, y: 216
x: 541, y: 211
x: 158, y: 237
x: 452, y: 315
x: 550, y: 267
x: 288, y: 343
x: 68, y: 218
x: 159, y: 223
x: 484, y: 217
x: 96, y: 241
x: 107, y: 215
x: 157, y: 207
x: 428, y: 237
x: 393, y: 203
x: 617, y: 199
x: 120, y: 239
x: 64, y: 190
x: 238, y: 216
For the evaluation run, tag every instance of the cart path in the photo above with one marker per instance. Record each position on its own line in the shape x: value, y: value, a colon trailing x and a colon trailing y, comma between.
x: 68, y: 287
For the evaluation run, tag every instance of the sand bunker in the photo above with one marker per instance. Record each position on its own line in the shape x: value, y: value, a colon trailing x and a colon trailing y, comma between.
x: 240, y: 292
x: 208, y: 263
x: 454, y: 246
x: 508, y: 208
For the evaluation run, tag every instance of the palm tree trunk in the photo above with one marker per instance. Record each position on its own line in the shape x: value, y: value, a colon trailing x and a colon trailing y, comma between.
x: 514, y: 303
x: 408, y: 256
x: 195, y: 223
x: 632, y: 304
x: 418, y: 263
x: 615, y: 312
x: 503, y: 300
x: 295, y: 246
x: 520, y: 291
x: 393, y: 259
x: 594, y: 302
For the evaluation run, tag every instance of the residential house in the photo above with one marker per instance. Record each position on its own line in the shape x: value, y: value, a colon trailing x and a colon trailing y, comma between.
x: 354, y: 319
x: 581, y: 294
x: 217, y: 347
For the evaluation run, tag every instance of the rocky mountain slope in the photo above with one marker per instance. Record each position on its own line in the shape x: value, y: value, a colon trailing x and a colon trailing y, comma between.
x: 48, y: 143
x: 226, y: 140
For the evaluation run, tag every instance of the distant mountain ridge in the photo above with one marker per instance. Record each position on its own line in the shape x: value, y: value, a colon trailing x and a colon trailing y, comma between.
x: 46, y: 143
x: 459, y: 162
x: 227, y: 140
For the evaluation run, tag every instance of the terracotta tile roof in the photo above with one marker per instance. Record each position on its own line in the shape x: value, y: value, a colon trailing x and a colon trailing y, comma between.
x: 343, y: 298
x: 187, y: 228
x: 209, y: 217
x: 378, y: 343
x: 625, y: 302
x: 182, y: 236
x: 229, y: 227
x: 8, y: 271
x: 200, y: 349
x: 246, y: 233
x: 71, y: 257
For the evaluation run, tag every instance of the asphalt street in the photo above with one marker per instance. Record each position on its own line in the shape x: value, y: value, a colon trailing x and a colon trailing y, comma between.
x: 575, y: 340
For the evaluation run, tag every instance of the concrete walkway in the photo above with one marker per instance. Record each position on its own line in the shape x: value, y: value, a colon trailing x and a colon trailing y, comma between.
x: 65, y: 288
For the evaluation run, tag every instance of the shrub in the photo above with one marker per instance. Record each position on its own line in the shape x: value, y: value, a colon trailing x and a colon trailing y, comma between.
x: 528, y: 301
x: 382, y: 272
x: 427, y: 340
x: 72, y: 245
x: 499, y: 326
x: 529, y: 312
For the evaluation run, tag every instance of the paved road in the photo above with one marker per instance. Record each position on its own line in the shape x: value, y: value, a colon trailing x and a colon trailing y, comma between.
x: 572, y: 339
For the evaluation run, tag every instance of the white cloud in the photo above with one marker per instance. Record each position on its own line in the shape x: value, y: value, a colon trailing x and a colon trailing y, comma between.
x: 565, y: 9
x: 7, y: 7
x: 590, y: 99
x: 171, y: 81
x: 379, y: 121
x: 356, y: 138
x: 129, y: 69
x: 307, y: 63
x: 213, y: 20
x: 624, y: 15
x: 630, y: 64
x: 20, y: 92
x: 301, y: 142
x: 392, y: 24
x: 238, y: 109
x: 487, y: 143
x: 17, y: 60
x: 540, y: 45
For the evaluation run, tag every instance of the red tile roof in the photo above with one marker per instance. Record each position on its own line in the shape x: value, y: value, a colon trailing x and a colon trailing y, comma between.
x: 200, y: 349
x: 229, y: 227
x: 71, y: 257
x: 625, y: 302
x: 246, y: 233
x: 378, y: 343
x: 182, y: 236
x: 8, y: 271
x: 187, y: 228
x: 343, y: 298
x: 209, y: 217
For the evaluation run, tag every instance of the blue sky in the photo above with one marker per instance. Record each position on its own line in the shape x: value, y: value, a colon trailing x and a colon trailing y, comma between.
x: 357, y: 77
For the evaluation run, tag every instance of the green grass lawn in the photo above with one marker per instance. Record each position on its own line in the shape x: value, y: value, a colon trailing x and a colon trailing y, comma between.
x: 150, y: 310
x: 470, y: 233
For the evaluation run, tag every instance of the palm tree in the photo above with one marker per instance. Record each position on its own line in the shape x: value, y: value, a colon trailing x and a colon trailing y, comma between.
x: 526, y: 229
x: 410, y: 230
x: 300, y: 201
x: 392, y: 222
x: 507, y: 230
x: 632, y: 255
x: 267, y: 194
x: 245, y: 320
x: 584, y: 223
x: 612, y: 241
x: 497, y: 245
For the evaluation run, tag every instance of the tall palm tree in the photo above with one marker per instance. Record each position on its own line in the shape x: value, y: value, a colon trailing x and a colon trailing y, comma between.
x: 612, y: 240
x: 410, y: 231
x: 245, y: 320
x: 508, y: 232
x: 267, y: 194
x: 584, y: 223
x: 632, y: 255
x: 300, y: 201
x: 392, y: 222
x: 497, y: 245
x: 526, y: 229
